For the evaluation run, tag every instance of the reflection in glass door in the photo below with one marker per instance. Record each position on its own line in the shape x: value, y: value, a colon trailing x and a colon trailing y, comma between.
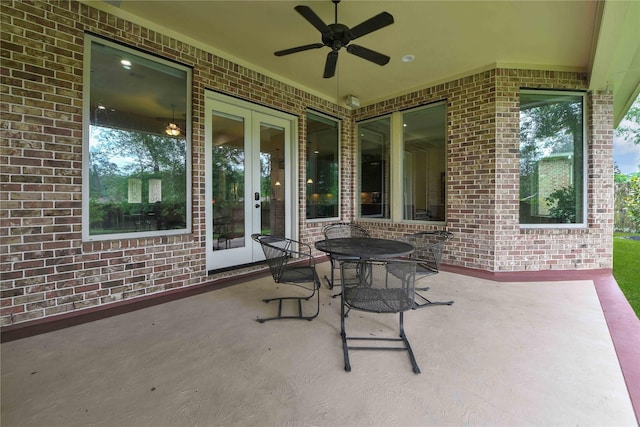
x: 247, y: 181
x: 272, y: 180
x: 228, y: 182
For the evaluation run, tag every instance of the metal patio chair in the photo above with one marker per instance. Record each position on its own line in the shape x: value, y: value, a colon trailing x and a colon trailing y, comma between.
x: 290, y: 262
x: 378, y: 286
x: 339, y: 230
x: 428, y: 253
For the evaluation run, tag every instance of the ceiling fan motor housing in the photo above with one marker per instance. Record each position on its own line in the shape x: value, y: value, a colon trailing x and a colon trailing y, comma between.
x: 338, y: 38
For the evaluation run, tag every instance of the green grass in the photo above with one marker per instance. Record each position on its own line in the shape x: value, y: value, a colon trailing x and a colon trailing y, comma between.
x: 626, y: 268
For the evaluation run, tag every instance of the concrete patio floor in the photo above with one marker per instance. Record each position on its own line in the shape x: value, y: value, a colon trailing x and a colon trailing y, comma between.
x: 505, y: 354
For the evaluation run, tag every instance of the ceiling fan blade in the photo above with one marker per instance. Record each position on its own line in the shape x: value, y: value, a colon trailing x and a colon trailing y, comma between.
x: 298, y: 49
x: 381, y: 20
x: 313, y: 19
x: 330, y: 65
x: 368, y: 54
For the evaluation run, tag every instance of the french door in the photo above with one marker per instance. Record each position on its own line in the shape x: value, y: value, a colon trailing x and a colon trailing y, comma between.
x: 249, y: 161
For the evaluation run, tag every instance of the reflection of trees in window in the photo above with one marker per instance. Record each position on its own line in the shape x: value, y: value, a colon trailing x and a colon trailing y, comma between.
x: 265, y: 176
x: 551, y: 156
x: 228, y: 184
x: 116, y: 156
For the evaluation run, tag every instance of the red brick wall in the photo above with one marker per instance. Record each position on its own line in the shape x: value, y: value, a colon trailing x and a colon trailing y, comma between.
x: 47, y: 269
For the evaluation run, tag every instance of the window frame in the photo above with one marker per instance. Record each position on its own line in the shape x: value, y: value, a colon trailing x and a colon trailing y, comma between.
x: 89, y: 39
x: 585, y: 173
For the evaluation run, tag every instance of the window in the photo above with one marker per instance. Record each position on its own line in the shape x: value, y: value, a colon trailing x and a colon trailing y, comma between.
x: 136, y: 164
x: 425, y: 159
x: 403, y: 163
x: 374, y: 151
x: 322, y: 167
x: 552, y: 158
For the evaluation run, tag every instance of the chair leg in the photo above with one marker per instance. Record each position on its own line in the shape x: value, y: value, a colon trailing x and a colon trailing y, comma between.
x: 330, y: 281
x: 414, y: 363
x: 403, y: 339
x: 316, y: 292
x: 343, y: 334
x: 425, y: 302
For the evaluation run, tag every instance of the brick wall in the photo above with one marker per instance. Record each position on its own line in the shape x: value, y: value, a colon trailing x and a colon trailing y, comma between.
x: 483, y: 155
x: 48, y: 270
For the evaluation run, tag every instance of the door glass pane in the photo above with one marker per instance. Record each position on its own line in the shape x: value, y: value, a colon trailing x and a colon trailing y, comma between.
x: 228, y: 182
x: 374, y: 154
x: 424, y: 136
x: 272, y: 180
x: 322, y: 167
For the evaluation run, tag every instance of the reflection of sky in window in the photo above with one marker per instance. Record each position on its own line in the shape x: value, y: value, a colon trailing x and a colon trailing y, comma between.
x: 95, y: 142
x: 545, y: 146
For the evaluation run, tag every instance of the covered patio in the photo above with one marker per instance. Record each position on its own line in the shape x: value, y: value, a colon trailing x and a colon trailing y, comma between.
x: 505, y: 353
x: 138, y: 327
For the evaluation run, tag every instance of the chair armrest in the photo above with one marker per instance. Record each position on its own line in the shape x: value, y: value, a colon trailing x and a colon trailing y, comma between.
x: 303, y: 252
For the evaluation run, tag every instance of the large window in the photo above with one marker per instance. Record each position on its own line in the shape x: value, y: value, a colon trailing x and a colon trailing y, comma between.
x: 136, y: 148
x: 403, y: 163
x: 425, y: 157
x: 322, y: 167
x: 551, y: 158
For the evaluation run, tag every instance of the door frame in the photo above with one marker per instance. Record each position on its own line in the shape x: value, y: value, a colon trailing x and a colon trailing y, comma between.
x: 213, y: 99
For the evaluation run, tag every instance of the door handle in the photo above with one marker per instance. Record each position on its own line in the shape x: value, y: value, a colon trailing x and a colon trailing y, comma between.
x: 256, y: 196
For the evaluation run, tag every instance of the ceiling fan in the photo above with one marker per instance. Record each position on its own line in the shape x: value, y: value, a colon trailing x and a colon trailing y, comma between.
x: 337, y: 36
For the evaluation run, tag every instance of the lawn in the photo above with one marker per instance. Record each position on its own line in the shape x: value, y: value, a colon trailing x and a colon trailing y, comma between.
x: 626, y: 268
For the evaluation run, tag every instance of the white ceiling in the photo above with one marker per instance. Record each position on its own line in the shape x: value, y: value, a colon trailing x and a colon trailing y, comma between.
x: 448, y: 39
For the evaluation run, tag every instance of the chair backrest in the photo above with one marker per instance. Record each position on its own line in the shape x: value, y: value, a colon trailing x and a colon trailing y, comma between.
x: 276, y: 252
x: 428, y: 248
x: 279, y: 251
x: 380, y: 286
x: 338, y: 230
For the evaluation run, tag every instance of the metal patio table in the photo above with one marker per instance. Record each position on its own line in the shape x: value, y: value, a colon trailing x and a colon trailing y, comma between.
x: 365, y: 247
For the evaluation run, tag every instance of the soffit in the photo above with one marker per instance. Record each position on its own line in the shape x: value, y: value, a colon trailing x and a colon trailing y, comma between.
x: 449, y: 39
